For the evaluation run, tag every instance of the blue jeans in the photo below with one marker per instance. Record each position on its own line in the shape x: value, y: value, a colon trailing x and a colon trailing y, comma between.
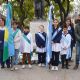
x: 77, y: 52
x: 14, y: 59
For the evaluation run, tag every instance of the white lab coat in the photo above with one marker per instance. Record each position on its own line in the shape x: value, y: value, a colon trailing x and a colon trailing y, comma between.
x: 66, y: 44
x: 17, y: 39
x: 25, y: 46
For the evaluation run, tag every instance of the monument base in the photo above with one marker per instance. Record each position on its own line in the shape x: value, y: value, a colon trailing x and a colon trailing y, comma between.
x: 34, y: 25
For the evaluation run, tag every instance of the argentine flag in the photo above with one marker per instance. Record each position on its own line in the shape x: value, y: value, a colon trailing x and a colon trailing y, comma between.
x: 49, y: 35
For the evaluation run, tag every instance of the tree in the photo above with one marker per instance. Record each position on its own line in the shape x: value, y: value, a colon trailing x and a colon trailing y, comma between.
x: 64, y: 8
x: 22, y: 9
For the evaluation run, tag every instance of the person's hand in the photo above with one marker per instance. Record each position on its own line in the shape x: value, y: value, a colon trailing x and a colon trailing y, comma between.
x: 52, y: 42
x: 64, y: 48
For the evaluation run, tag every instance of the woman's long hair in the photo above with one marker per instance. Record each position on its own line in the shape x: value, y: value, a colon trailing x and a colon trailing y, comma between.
x: 71, y: 24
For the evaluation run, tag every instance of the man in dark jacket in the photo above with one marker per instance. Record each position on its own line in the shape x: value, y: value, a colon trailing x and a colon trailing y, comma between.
x: 2, y: 32
x: 77, y: 35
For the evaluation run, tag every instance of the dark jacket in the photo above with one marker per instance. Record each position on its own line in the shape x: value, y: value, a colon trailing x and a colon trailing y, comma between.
x: 1, y: 39
x: 39, y: 41
x: 72, y: 33
x: 77, y: 32
x: 58, y: 36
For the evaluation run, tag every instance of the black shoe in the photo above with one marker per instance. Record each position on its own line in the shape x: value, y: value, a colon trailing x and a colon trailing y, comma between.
x: 8, y: 66
x: 75, y: 67
x: 2, y: 67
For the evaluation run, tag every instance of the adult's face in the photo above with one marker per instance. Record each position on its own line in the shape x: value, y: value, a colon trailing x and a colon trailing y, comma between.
x: 67, y: 22
x: 55, y: 23
x: 78, y: 19
x: 1, y: 22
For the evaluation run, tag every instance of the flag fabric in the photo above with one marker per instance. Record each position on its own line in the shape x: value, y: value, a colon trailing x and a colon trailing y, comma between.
x: 49, y: 36
x: 8, y: 44
x: 5, y: 54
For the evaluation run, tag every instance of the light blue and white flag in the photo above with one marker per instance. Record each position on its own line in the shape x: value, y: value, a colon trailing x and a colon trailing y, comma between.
x: 49, y: 36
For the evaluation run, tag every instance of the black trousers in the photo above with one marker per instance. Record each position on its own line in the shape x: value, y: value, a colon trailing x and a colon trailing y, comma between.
x: 55, y: 58
x: 41, y: 57
x: 64, y: 60
x: 7, y: 61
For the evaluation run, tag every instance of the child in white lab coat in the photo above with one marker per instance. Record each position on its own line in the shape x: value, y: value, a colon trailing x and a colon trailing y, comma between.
x: 65, y: 45
x: 26, y: 46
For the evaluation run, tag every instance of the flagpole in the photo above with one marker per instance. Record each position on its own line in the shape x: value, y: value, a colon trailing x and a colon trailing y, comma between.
x: 49, y: 35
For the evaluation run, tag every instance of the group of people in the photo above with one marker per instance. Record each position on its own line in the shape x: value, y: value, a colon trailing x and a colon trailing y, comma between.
x: 64, y: 39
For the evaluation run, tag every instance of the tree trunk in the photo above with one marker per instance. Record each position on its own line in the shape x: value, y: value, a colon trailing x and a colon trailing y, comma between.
x: 63, y: 12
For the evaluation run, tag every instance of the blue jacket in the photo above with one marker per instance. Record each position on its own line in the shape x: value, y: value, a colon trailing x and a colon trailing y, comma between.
x: 39, y: 41
x: 1, y: 39
x: 72, y: 33
x: 58, y: 36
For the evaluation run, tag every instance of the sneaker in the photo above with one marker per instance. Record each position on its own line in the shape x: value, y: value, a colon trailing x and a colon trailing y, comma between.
x: 52, y: 68
x: 16, y: 68
x: 56, y: 68
x: 12, y: 69
x: 30, y: 66
x: 23, y: 66
x: 43, y: 65
x: 39, y: 65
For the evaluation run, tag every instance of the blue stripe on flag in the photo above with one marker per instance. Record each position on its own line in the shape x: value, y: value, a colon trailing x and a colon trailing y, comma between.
x: 8, y: 25
x: 49, y: 37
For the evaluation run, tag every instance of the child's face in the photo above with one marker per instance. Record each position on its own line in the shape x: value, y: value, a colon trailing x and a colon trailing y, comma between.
x: 26, y: 30
x: 65, y: 30
x: 14, y: 25
x: 41, y: 28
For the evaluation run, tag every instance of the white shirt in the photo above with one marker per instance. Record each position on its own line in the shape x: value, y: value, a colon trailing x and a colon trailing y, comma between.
x: 17, y: 39
x: 25, y: 46
x: 56, y: 47
x: 65, y: 44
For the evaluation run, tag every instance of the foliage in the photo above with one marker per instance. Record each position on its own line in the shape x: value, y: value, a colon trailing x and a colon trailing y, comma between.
x: 62, y: 8
x: 22, y: 10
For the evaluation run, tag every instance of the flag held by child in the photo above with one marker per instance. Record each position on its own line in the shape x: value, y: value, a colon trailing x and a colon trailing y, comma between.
x: 8, y: 40
x: 49, y: 35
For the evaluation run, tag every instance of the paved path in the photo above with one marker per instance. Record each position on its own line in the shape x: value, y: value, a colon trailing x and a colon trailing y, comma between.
x: 40, y: 73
